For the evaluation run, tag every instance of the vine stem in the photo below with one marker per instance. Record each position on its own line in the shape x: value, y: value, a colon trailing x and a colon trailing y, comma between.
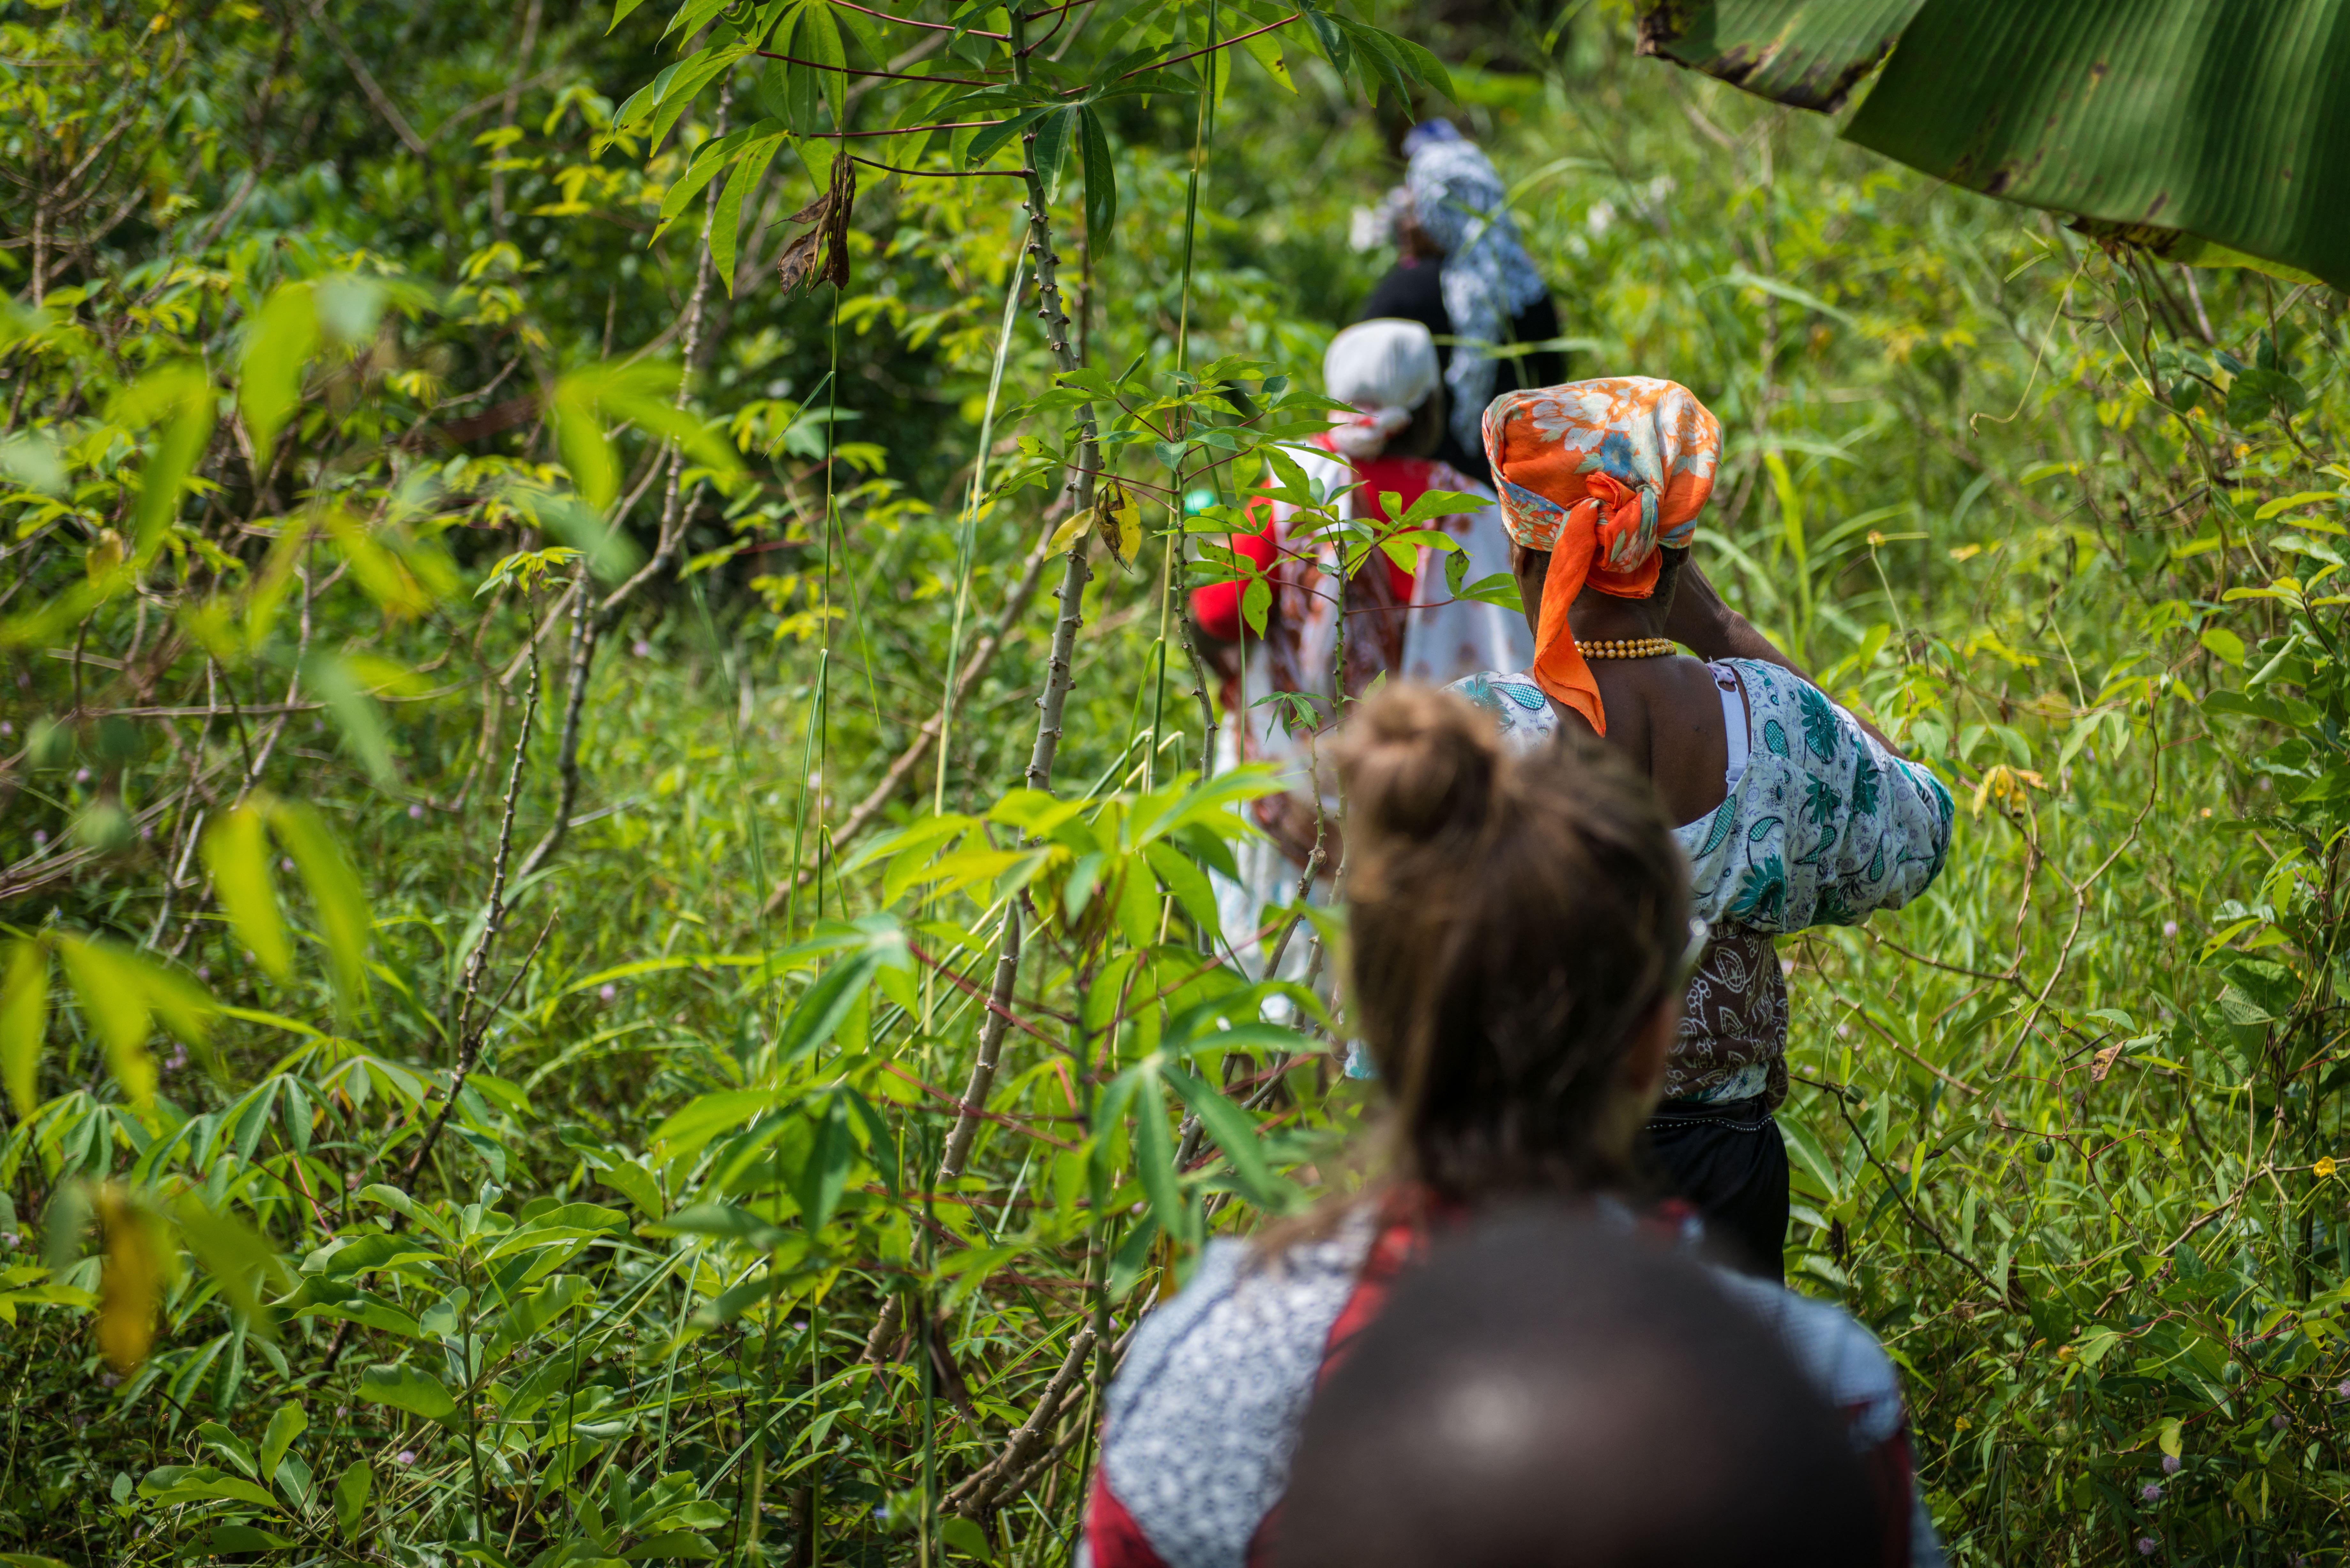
x: 1079, y: 491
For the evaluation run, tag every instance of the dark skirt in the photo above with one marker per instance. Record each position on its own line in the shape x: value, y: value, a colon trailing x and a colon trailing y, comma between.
x: 1727, y: 1162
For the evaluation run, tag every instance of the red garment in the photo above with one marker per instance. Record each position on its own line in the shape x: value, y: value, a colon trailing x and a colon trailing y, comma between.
x: 1217, y: 606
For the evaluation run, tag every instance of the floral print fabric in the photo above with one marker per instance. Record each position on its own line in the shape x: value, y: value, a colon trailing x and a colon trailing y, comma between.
x: 1824, y: 828
x: 1601, y: 474
x: 1487, y: 278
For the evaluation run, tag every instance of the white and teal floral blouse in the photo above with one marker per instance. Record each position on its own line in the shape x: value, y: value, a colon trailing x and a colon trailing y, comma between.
x: 1822, y: 827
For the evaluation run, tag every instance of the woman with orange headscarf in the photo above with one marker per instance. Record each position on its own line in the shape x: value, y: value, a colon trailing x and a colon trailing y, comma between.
x: 1793, y: 812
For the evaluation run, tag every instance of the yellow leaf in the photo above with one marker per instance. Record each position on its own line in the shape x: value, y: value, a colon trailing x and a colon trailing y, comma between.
x: 23, y: 1019
x: 104, y: 555
x: 1067, y: 533
x: 131, y: 1281
x: 237, y: 852
x: 1120, y: 520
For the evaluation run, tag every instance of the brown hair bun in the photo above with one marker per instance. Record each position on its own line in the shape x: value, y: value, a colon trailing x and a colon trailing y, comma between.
x: 1513, y: 921
x: 1417, y: 764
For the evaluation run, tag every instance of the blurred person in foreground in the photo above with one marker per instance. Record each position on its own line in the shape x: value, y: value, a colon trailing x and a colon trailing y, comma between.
x: 1791, y: 811
x: 1463, y: 272
x: 1401, y: 622
x: 1549, y: 1391
x: 1521, y: 939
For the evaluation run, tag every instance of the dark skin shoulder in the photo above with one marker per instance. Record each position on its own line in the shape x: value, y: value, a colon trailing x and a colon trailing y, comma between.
x: 1664, y: 713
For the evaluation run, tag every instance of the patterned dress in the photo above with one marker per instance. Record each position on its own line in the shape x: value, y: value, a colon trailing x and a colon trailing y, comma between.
x: 1824, y: 828
x: 1204, y: 1414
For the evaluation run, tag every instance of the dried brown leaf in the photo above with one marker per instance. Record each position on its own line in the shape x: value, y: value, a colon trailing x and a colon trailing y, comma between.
x: 796, y: 265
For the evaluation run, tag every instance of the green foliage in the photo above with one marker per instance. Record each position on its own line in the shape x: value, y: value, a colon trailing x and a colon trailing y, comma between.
x: 2108, y: 111
x: 451, y: 728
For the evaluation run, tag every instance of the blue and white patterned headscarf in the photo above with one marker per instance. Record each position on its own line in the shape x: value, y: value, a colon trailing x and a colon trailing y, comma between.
x: 1487, y: 277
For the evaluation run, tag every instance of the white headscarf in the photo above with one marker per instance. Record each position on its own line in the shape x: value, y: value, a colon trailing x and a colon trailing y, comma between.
x: 1385, y: 369
x: 1487, y: 277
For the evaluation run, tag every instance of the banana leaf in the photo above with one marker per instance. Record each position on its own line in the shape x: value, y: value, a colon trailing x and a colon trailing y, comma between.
x: 2209, y: 131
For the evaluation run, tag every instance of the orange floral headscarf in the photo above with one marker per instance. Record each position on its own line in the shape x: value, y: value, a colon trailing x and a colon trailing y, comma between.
x: 1601, y: 474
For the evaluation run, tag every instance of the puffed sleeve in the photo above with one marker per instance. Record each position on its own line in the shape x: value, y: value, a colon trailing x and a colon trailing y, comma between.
x: 1871, y: 830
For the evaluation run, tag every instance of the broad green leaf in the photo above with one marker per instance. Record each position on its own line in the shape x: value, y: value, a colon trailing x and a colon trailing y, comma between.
x: 236, y: 851
x: 2194, y: 128
x: 277, y: 346
x: 241, y: 1538
x: 23, y: 1021
x: 329, y: 678
x: 824, y: 1005
x: 1188, y: 883
x: 1101, y: 178
x: 966, y: 1537
x: 1234, y: 1132
x: 819, y: 40
x: 406, y: 1389
x: 1154, y: 1148
x: 236, y: 1256
x: 586, y: 449
x: 2207, y: 117
x: 1807, y: 53
x: 284, y: 1427
x: 111, y: 984
x: 352, y: 1489
x: 180, y: 397
x: 700, y: 1120
x: 726, y: 218
x: 341, y: 904
x: 2284, y: 504
x: 1050, y: 148
x: 818, y: 1182
x: 228, y: 1445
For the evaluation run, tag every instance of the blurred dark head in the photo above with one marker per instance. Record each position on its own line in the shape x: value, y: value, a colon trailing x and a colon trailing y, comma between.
x: 1550, y: 1390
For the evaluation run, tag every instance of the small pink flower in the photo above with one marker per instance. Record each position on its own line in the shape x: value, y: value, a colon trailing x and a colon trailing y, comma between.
x: 81, y: 775
x: 641, y: 648
x: 2149, y: 1492
x: 2169, y: 929
x: 2146, y: 1546
x: 285, y: 863
x: 7, y: 728
x: 2170, y: 1464
x: 415, y: 812
x: 608, y: 993
x: 408, y: 1456
x: 2279, y: 1422
x: 40, y: 837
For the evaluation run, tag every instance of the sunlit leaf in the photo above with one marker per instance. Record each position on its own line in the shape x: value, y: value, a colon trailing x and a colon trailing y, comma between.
x: 111, y: 985
x: 131, y: 1283
x: 406, y: 1389
x: 335, y: 893
x: 23, y: 1021
x: 181, y: 398
x: 279, y: 344
x: 236, y: 851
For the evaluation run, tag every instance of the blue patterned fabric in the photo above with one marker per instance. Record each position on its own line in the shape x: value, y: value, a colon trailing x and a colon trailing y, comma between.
x: 1824, y: 828
x: 1487, y: 277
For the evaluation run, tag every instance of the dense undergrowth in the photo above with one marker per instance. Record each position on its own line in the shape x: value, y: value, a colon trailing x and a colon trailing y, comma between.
x: 463, y: 1010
